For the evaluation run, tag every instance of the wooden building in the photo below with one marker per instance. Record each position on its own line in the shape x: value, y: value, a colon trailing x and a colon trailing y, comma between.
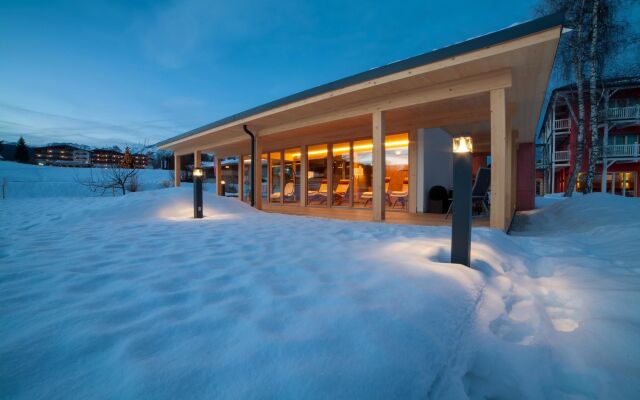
x: 376, y: 142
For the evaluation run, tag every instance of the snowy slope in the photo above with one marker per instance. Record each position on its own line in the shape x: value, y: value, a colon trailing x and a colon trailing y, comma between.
x: 130, y: 297
x: 29, y: 181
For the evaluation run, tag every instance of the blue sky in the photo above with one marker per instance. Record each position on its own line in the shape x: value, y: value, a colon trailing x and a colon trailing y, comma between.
x: 116, y: 72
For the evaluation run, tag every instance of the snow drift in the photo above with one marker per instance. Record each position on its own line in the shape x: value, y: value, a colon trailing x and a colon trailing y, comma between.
x: 130, y: 297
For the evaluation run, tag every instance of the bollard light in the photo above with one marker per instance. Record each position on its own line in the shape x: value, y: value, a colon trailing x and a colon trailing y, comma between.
x: 223, y: 188
x: 197, y: 192
x: 461, y: 213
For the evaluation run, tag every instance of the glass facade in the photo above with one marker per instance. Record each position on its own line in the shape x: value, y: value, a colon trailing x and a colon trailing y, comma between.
x: 397, y: 171
x: 291, y: 193
x: 341, y: 175
x: 229, y: 175
x: 275, y: 167
x: 363, y: 173
x: 317, y: 175
x: 265, y: 177
x: 246, y: 179
x: 338, y: 174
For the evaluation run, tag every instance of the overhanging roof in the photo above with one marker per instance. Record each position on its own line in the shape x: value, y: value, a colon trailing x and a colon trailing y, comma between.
x: 478, y: 43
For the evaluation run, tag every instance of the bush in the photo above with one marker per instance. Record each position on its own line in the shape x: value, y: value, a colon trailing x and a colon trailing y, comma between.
x: 133, y: 184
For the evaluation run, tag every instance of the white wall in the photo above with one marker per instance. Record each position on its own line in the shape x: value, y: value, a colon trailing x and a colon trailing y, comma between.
x: 435, y: 162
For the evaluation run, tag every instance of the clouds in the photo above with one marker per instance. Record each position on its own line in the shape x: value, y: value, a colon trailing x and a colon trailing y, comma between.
x: 40, y: 128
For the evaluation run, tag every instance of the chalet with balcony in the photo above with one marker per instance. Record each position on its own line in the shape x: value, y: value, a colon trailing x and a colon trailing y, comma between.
x: 63, y: 155
x: 106, y: 157
x: 618, y: 145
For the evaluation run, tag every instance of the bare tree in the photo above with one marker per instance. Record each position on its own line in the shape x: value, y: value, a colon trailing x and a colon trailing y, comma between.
x: 596, y: 36
x: 113, y: 177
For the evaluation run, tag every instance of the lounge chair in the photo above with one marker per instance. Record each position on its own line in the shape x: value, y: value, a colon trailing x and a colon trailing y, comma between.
x: 479, y: 192
x: 289, y: 192
x: 400, y: 195
x: 368, y: 196
x: 340, y: 193
x: 320, y: 194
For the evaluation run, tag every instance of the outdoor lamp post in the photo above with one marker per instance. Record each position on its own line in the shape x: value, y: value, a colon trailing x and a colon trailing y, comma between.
x: 223, y: 188
x: 461, y: 214
x: 197, y: 192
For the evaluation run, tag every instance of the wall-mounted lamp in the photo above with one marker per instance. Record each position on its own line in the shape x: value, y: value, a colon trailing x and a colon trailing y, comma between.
x: 462, y: 144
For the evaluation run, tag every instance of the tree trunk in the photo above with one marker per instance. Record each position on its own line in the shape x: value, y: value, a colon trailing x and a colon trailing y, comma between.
x: 577, y: 165
x: 593, y: 98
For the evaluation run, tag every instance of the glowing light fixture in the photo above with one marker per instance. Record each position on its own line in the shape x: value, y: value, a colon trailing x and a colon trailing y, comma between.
x: 462, y: 144
x: 197, y: 192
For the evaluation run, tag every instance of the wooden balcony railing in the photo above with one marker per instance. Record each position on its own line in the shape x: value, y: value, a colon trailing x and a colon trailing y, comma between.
x: 623, y: 150
x: 618, y: 113
x: 562, y: 124
x: 562, y: 156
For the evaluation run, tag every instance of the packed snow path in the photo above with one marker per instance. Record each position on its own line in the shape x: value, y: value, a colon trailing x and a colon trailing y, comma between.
x: 130, y: 297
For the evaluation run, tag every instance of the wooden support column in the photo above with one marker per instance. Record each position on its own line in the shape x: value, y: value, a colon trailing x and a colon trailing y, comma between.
x: 379, y: 195
x: 514, y: 171
x: 413, y: 170
x: 218, y: 175
x: 176, y: 170
x: 257, y: 173
x: 241, y: 178
x: 197, y: 159
x: 303, y: 175
x: 499, y: 185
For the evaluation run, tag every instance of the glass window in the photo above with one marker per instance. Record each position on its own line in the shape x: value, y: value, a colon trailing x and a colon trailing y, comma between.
x: 229, y: 175
x: 246, y: 179
x: 317, y: 175
x: 341, y: 174
x: 625, y: 183
x: 397, y: 171
x: 276, y: 169
x: 362, y: 173
x: 291, y: 192
x: 265, y: 176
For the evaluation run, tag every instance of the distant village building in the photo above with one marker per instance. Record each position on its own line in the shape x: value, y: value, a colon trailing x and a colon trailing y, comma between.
x: 106, y: 157
x: 140, y: 160
x: 618, y: 145
x: 63, y: 155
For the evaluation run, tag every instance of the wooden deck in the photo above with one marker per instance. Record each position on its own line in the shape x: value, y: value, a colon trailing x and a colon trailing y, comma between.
x: 355, y: 214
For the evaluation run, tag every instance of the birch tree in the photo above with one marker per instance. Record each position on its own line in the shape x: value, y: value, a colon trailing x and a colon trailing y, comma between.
x: 596, y: 36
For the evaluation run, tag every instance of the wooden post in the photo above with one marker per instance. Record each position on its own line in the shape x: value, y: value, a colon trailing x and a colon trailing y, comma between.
x: 218, y: 175
x: 379, y: 195
x: 176, y: 169
x: 499, y: 164
x: 197, y: 159
x: 257, y: 173
x: 240, y: 172
x: 303, y: 175
x: 413, y: 171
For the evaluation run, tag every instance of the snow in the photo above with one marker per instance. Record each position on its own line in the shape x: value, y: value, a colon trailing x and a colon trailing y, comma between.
x: 29, y: 181
x: 130, y: 297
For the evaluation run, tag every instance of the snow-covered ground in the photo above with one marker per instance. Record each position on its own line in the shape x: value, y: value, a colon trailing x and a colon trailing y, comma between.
x: 129, y: 297
x: 29, y: 181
